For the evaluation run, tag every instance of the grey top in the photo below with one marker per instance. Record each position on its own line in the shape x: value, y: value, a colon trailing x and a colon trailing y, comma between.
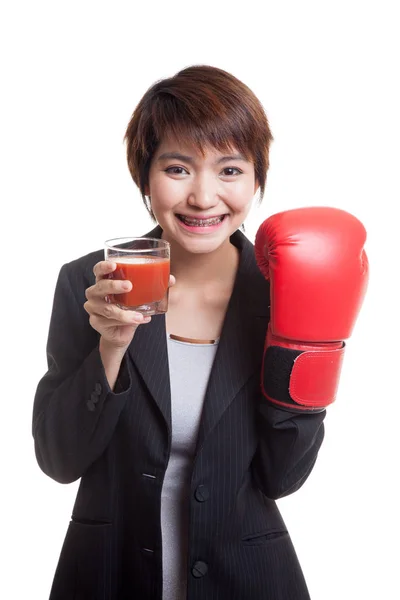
x: 190, y: 367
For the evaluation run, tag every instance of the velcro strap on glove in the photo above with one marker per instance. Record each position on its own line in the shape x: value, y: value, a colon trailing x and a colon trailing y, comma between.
x: 301, y: 380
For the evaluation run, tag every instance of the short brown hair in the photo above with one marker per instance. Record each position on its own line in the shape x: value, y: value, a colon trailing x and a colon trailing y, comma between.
x: 201, y: 105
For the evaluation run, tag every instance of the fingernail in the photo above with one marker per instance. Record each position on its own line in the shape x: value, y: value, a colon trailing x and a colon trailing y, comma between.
x: 138, y: 316
x: 126, y: 285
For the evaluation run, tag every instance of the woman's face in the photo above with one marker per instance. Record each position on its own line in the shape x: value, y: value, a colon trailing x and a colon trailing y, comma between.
x: 199, y: 201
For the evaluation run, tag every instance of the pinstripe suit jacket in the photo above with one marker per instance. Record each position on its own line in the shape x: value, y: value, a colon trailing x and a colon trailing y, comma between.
x: 248, y: 454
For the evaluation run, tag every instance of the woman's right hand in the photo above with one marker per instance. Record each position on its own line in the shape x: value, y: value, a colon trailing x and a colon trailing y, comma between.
x: 115, y: 325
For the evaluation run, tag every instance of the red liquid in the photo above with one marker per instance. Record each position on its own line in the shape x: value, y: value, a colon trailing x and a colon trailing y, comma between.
x: 149, y: 276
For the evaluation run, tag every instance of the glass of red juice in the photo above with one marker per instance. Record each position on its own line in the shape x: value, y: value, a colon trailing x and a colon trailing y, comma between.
x: 145, y: 262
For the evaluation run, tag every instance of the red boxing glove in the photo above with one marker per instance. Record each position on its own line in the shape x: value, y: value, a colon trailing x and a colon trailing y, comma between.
x: 318, y: 274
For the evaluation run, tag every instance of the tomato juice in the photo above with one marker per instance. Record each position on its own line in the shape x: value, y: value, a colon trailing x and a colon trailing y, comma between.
x: 149, y: 276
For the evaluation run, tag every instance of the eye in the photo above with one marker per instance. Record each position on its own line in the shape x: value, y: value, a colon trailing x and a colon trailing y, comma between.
x: 231, y: 171
x: 176, y: 170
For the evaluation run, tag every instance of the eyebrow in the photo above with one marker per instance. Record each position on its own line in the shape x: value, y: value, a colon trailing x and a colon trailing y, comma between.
x: 191, y: 160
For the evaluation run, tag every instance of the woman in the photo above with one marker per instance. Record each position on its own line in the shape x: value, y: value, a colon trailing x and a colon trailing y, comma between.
x: 179, y: 456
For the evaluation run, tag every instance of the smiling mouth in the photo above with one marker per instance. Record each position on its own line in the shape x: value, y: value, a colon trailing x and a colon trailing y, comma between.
x: 193, y: 222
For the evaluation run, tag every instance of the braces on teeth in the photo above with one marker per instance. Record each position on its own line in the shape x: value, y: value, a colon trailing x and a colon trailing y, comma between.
x: 201, y: 222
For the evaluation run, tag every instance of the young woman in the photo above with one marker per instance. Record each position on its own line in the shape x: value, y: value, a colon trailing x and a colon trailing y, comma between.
x: 179, y: 453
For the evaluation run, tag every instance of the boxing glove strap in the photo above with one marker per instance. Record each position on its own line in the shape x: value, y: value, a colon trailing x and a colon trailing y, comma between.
x: 301, y: 380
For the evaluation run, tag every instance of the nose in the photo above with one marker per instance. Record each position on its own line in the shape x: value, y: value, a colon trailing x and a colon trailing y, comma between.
x: 203, y: 194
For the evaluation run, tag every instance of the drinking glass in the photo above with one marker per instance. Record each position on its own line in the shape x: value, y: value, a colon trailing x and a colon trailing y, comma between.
x: 145, y: 262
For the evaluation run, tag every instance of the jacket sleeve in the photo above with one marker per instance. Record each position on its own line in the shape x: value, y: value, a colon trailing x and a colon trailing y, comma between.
x: 75, y: 412
x: 287, y: 450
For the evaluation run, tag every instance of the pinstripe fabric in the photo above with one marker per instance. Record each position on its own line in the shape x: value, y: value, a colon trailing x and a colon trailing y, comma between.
x: 248, y: 454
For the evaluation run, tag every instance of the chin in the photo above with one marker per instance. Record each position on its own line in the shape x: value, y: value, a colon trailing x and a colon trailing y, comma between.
x: 202, y: 246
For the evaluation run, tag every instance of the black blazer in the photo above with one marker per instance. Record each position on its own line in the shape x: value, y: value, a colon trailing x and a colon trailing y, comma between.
x: 248, y: 454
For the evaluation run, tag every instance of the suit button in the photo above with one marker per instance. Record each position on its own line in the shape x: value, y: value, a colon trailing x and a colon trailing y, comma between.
x: 94, y: 397
x: 199, y: 569
x: 91, y: 405
x: 98, y: 389
x: 202, y: 493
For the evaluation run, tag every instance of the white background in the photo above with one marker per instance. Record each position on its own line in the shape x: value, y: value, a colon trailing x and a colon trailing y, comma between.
x: 327, y: 74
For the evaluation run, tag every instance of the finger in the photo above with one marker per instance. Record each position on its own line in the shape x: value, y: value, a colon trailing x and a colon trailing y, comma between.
x: 101, y: 324
x: 112, y: 313
x: 105, y: 287
x: 103, y: 268
x: 172, y: 281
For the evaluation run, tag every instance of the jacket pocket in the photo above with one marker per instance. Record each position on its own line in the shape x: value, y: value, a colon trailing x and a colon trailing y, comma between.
x: 84, y: 568
x: 257, y: 539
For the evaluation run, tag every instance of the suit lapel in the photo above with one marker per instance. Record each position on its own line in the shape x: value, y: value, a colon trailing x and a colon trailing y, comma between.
x: 148, y: 351
x: 149, y: 354
x: 240, y: 348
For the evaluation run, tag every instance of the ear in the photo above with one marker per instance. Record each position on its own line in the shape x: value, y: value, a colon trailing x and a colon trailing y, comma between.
x: 147, y: 190
x: 256, y: 186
